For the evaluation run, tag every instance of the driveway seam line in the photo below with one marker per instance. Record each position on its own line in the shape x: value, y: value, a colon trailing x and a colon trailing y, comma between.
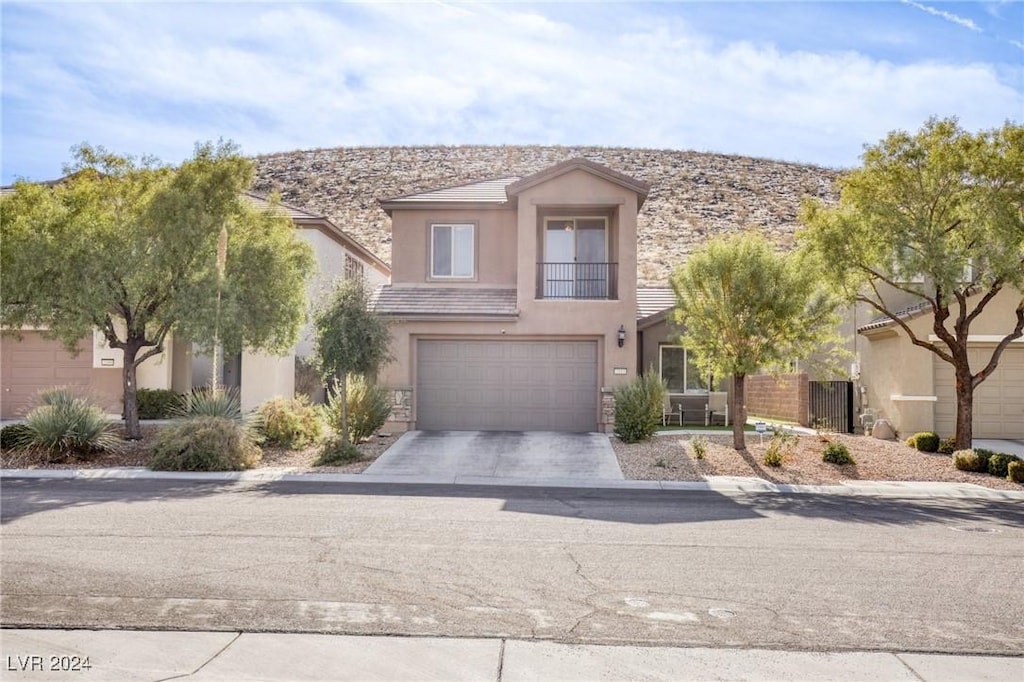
x: 207, y: 662
x: 909, y: 667
x: 501, y: 659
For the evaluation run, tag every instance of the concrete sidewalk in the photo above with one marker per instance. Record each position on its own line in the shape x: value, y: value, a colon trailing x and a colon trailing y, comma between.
x: 147, y: 656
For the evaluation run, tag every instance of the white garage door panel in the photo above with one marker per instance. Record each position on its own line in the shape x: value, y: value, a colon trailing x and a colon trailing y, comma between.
x: 507, y: 385
x: 998, y: 401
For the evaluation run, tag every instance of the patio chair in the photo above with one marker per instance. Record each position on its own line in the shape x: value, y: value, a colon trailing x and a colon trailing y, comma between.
x: 717, y: 408
x: 668, y: 413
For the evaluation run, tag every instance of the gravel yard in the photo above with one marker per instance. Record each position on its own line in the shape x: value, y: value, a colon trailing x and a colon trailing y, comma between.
x: 663, y: 458
x: 671, y: 458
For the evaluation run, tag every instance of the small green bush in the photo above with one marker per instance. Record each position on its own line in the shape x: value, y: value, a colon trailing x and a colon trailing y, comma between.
x: 368, y: 408
x: 335, y: 452
x: 1015, y: 471
x: 700, y: 447
x: 157, y: 403
x: 969, y: 460
x: 204, y: 402
x: 64, y: 425
x: 947, y: 446
x: 998, y: 464
x: 780, y: 447
x: 837, y: 453
x: 925, y: 441
x: 983, y: 455
x: 638, y: 407
x: 205, y: 444
x: 289, y: 423
x: 13, y: 436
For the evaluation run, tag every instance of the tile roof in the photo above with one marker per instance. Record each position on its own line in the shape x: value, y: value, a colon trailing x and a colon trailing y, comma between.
x: 486, y: 191
x: 260, y: 202
x: 444, y: 302
x: 885, y: 321
x: 653, y: 300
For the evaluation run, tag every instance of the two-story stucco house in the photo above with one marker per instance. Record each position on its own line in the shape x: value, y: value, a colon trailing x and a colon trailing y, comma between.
x: 513, y: 301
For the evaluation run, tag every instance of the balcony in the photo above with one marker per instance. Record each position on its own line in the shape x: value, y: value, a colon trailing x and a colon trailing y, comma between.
x: 578, y: 281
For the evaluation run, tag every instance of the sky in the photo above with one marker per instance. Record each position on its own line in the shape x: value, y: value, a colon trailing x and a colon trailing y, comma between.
x: 808, y: 82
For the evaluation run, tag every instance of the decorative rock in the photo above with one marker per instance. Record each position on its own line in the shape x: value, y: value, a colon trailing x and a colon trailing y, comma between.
x: 883, y: 430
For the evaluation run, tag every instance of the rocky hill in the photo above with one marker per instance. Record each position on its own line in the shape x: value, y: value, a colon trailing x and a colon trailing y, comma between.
x: 693, y: 195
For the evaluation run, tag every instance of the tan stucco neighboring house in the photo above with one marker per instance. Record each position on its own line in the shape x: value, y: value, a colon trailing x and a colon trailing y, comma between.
x: 513, y: 301
x: 915, y: 390
x: 35, y: 362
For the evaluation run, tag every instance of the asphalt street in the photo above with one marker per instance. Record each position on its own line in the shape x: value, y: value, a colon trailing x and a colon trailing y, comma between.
x: 679, y: 568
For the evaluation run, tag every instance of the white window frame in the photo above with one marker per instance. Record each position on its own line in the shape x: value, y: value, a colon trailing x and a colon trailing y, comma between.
x: 472, y: 250
x: 686, y: 363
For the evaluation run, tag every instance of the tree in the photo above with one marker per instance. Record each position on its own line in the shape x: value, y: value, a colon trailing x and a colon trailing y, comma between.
x: 936, y: 218
x: 744, y: 307
x: 350, y: 339
x: 130, y: 248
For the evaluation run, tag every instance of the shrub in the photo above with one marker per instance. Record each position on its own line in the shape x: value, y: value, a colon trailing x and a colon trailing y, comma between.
x: 65, y: 425
x: 205, y: 444
x: 638, y: 407
x: 837, y: 453
x: 308, y: 381
x: 969, y: 460
x: 1015, y: 471
x: 157, y: 403
x: 13, y: 436
x: 998, y: 464
x: 779, y: 448
x: 334, y: 451
x: 700, y: 447
x: 289, y: 422
x: 204, y: 402
x: 983, y: 455
x: 947, y: 446
x: 368, y: 408
x: 925, y: 441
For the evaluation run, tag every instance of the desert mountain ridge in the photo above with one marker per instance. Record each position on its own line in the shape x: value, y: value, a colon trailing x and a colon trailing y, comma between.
x: 694, y: 195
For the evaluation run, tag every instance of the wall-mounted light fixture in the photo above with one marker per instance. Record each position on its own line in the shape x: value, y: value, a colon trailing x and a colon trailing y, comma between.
x: 622, y: 335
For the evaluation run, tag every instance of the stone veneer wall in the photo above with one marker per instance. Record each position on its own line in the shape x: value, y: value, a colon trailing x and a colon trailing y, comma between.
x: 784, y: 397
x: 607, y: 410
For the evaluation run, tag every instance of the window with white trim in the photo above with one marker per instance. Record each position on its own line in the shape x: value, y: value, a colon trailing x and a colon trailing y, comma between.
x: 452, y: 250
x: 679, y: 372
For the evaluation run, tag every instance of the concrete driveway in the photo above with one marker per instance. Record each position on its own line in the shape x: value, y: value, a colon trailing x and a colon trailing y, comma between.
x: 500, y: 454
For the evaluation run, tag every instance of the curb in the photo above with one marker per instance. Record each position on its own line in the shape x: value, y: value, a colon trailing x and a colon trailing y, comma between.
x: 717, y: 484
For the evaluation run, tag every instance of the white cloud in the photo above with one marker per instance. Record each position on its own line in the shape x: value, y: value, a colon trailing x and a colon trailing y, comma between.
x: 154, y: 78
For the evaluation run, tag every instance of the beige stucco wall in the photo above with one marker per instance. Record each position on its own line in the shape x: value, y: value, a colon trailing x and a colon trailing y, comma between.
x: 892, y: 366
x: 494, y: 245
x: 157, y: 371
x: 266, y: 376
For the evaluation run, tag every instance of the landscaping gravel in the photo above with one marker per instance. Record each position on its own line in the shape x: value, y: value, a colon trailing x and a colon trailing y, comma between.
x: 671, y: 458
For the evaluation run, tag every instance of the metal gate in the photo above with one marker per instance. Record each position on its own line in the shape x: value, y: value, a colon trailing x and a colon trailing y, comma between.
x: 830, y: 405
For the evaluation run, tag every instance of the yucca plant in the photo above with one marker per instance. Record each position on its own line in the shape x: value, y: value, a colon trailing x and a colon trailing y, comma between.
x: 64, y: 424
x: 204, y: 402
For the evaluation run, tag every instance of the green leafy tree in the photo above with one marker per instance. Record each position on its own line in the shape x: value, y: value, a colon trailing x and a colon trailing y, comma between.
x: 129, y: 247
x: 350, y: 339
x: 934, y: 218
x: 743, y: 307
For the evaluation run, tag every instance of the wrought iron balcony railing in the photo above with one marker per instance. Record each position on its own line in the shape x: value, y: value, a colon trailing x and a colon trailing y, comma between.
x: 586, y: 281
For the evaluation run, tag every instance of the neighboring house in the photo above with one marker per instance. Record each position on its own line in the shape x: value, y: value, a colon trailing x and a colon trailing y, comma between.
x: 513, y: 301
x: 915, y: 390
x: 659, y: 350
x: 36, y: 363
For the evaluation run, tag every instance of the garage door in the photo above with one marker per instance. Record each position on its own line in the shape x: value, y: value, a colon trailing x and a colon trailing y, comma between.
x: 507, y: 385
x: 998, y: 401
x: 35, y: 363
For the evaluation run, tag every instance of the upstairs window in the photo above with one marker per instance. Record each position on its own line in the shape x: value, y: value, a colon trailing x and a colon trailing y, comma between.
x: 451, y: 251
x: 353, y: 268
